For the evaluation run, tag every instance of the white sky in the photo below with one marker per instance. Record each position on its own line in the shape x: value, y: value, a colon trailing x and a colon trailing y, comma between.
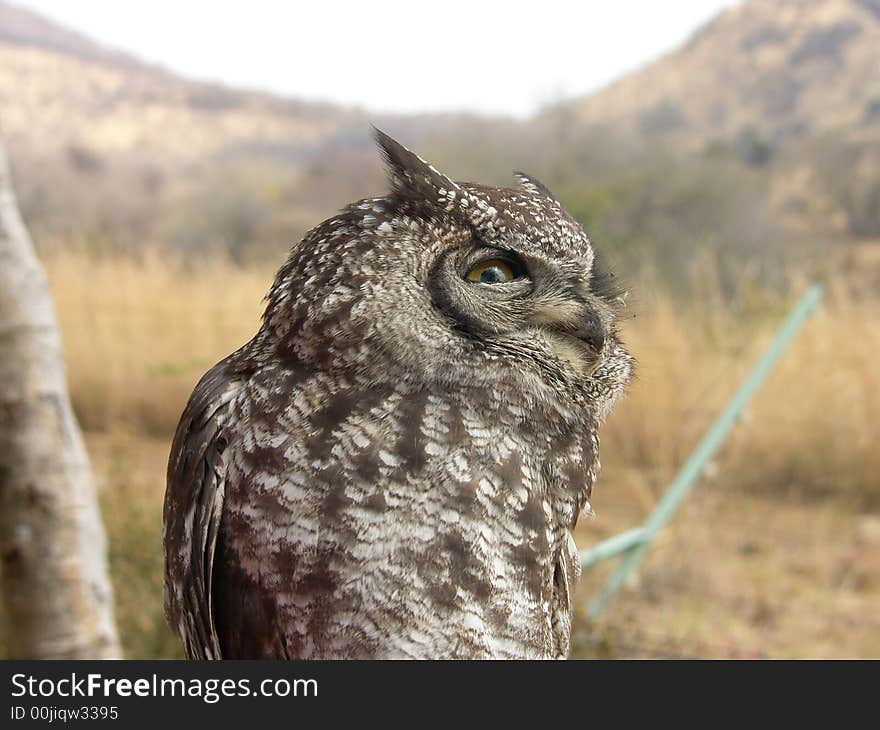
x: 492, y: 57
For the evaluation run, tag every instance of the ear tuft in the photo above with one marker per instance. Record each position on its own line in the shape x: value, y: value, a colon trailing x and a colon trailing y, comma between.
x: 412, y: 177
x: 534, y: 186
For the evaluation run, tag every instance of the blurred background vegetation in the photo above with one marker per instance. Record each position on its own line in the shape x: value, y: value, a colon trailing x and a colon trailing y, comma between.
x: 717, y: 182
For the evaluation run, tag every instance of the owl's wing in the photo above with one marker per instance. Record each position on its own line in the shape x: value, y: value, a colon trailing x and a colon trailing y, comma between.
x: 193, y: 508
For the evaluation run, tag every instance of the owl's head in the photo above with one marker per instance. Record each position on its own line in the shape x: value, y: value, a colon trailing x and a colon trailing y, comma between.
x: 454, y: 285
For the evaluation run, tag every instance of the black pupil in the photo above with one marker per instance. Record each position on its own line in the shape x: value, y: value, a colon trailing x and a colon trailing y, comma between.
x: 492, y: 275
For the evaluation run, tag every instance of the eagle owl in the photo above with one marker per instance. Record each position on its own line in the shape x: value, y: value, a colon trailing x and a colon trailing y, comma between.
x: 392, y: 466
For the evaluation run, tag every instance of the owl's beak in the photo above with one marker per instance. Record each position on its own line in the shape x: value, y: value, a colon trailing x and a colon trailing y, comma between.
x: 592, y: 332
x: 578, y: 328
x: 586, y: 325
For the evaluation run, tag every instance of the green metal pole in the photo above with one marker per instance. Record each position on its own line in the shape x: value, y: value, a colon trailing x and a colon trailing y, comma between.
x: 704, y: 451
x: 620, y: 543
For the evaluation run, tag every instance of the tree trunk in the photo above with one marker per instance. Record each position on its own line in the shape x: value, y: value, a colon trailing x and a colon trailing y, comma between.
x: 54, y: 581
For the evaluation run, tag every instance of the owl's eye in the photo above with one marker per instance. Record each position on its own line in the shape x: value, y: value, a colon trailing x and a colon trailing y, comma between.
x: 492, y: 271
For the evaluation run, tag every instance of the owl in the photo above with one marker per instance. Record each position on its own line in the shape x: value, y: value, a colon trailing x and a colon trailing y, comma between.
x: 393, y: 465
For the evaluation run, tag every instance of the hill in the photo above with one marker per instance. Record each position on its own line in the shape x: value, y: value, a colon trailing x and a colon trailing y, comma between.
x: 57, y: 88
x: 788, y: 87
x: 116, y: 152
x: 781, y: 69
x: 106, y: 146
x: 764, y: 128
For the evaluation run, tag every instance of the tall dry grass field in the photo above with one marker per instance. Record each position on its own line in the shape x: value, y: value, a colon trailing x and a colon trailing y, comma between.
x: 139, y: 333
x: 777, y: 552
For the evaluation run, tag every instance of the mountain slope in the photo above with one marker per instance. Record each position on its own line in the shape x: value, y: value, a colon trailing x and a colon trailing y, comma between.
x: 57, y: 87
x: 22, y: 27
x: 786, y: 69
x: 768, y: 118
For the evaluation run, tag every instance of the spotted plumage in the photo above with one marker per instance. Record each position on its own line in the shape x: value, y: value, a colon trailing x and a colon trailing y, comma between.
x: 393, y: 465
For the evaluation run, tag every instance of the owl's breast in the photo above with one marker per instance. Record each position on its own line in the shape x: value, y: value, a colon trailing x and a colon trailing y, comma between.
x: 400, y: 522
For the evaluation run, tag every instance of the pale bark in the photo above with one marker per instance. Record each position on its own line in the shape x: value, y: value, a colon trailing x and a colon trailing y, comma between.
x: 55, y: 586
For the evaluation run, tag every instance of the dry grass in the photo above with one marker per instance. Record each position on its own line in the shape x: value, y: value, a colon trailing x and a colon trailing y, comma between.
x: 138, y: 334
x: 774, y: 555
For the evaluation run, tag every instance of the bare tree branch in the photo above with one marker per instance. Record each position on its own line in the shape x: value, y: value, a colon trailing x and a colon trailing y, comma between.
x: 55, y: 585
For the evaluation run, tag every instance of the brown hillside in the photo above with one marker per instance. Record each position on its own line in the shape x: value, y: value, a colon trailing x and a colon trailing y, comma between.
x: 784, y: 93
x: 58, y: 88
x: 785, y: 68
x: 107, y: 148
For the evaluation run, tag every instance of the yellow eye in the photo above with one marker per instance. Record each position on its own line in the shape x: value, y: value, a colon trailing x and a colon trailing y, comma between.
x: 491, y: 271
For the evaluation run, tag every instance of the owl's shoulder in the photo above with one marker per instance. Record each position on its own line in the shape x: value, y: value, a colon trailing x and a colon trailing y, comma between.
x: 196, y: 485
